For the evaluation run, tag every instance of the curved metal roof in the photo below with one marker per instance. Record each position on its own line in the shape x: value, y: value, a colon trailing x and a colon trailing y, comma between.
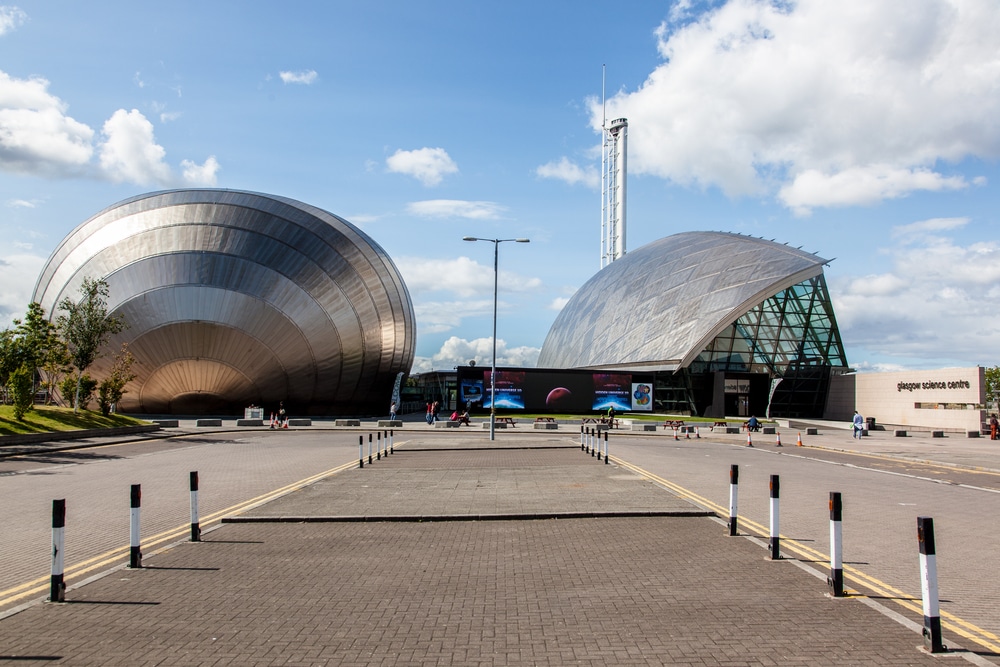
x: 240, y: 297
x: 659, y: 306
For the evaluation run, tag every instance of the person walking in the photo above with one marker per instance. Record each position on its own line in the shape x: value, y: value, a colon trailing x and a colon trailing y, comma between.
x: 994, y: 427
x: 430, y: 413
x: 859, y: 425
x: 392, y: 412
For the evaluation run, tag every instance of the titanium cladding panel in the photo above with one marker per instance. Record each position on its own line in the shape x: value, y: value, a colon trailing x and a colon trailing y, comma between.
x: 236, y: 298
x: 659, y: 306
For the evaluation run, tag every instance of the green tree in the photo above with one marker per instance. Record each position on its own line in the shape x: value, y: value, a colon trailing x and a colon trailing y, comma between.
x: 992, y: 385
x: 87, y: 325
x: 39, y: 341
x: 112, y: 388
x: 21, y: 383
x: 82, y: 383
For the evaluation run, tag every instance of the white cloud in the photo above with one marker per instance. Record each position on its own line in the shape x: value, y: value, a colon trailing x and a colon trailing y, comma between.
x: 201, y: 174
x: 456, y: 208
x: 570, y: 172
x: 39, y: 138
x: 36, y: 135
x: 458, y: 352
x: 130, y: 152
x: 18, y: 273
x: 305, y: 77
x: 861, y: 186
x: 22, y: 203
x: 558, y: 303
x: 11, y: 18
x: 938, y: 298
x: 461, y: 276
x: 826, y: 103
x: 427, y: 165
x: 925, y: 227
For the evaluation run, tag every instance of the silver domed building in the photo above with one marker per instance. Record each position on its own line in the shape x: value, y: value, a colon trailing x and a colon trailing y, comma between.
x: 724, y: 324
x: 236, y: 298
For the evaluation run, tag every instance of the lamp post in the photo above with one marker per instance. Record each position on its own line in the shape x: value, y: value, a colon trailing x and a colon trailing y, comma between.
x: 493, y: 367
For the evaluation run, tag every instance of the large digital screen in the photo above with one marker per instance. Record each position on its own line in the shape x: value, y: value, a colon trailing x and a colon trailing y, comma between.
x: 553, y: 391
x: 509, y: 388
x: 612, y: 390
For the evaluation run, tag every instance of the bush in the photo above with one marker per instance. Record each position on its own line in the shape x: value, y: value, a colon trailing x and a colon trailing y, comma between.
x: 67, y: 388
x: 21, y: 384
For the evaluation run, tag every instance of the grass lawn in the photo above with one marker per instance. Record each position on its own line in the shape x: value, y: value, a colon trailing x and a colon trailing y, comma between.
x: 46, y: 419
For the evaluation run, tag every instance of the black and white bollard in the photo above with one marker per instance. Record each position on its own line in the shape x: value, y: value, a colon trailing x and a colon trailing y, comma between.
x: 595, y: 440
x: 369, y: 448
x: 195, y: 523
x: 599, y: 444
x: 57, y: 587
x: 378, y: 445
x: 361, y: 451
x: 391, y: 433
x: 929, y: 585
x: 605, y: 448
x: 734, y: 483
x: 775, y: 543
x: 583, y: 442
x: 135, y: 551
x: 836, y: 579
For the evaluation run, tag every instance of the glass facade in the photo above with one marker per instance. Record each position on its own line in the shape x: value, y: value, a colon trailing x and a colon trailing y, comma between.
x: 791, y: 330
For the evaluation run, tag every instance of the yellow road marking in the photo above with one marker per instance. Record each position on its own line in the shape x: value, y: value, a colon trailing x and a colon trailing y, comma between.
x: 949, y: 621
x: 114, y: 556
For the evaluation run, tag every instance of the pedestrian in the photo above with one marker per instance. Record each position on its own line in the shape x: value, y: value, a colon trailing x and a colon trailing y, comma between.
x: 392, y: 412
x: 858, y: 425
x: 430, y: 413
x: 994, y: 427
x: 435, y: 409
x: 611, y: 417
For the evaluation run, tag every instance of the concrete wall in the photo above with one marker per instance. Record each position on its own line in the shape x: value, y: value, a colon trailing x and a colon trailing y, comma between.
x: 891, y: 397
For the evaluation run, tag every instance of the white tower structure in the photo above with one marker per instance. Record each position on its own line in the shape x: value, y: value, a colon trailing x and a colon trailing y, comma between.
x: 613, y: 177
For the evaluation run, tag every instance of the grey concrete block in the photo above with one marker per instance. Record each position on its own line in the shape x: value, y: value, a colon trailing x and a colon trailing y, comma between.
x: 937, y: 434
x: 447, y: 424
x: 167, y: 423
x: 486, y: 424
x: 390, y: 423
x: 249, y: 422
x: 899, y: 433
x: 208, y: 422
x: 347, y: 422
x: 972, y: 434
x: 643, y: 427
x: 732, y: 429
x: 768, y: 430
x: 812, y: 431
x: 300, y: 422
x: 542, y: 426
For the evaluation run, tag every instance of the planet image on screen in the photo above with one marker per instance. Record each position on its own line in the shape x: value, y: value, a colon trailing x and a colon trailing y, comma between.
x: 558, y: 398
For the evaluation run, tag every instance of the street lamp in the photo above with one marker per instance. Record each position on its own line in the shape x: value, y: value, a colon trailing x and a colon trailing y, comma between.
x: 493, y: 368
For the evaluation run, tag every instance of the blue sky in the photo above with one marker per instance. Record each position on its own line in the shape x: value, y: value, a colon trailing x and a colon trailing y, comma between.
x: 867, y: 131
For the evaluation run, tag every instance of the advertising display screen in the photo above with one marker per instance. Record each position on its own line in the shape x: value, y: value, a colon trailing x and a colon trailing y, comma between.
x: 612, y: 390
x: 509, y: 387
x: 552, y: 391
x: 642, y: 396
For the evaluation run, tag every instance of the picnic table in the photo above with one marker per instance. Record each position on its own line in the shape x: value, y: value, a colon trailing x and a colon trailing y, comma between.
x: 507, y: 420
x: 674, y: 424
x: 719, y: 424
x: 548, y: 420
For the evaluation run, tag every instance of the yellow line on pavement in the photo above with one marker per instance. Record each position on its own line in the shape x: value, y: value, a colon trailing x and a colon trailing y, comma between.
x: 949, y: 621
x: 114, y: 556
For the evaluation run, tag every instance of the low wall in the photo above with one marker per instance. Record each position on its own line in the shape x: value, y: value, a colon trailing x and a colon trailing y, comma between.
x: 30, y: 438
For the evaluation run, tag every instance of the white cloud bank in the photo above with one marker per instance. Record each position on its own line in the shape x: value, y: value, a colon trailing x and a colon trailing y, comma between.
x: 458, y: 352
x: 456, y: 208
x: 823, y: 103
x: 940, y: 299
x: 427, y: 165
x: 39, y: 138
x: 11, y: 18
x: 17, y: 281
x: 569, y: 172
